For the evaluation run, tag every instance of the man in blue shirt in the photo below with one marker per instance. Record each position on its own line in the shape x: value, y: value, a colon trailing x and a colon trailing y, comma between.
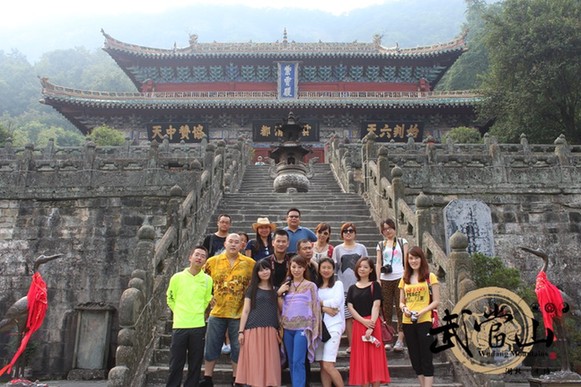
x: 295, y: 231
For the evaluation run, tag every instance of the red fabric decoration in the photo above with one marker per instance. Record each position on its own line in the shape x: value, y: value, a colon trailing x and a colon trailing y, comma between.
x: 550, y: 300
x: 37, y: 306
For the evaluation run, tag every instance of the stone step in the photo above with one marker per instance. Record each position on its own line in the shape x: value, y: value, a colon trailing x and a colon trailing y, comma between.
x: 402, y: 374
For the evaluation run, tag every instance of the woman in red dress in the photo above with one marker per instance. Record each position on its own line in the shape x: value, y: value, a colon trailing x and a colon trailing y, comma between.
x: 368, y: 363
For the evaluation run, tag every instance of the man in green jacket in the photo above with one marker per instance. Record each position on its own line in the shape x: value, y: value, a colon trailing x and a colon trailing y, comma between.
x: 188, y: 296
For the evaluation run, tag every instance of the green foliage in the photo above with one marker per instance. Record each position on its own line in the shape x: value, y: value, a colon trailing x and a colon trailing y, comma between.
x: 533, y: 84
x: 107, y: 136
x: 466, y: 72
x: 19, y: 86
x: 61, y: 137
x: 491, y: 271
x: 465, y: 135
x: 4, y: 135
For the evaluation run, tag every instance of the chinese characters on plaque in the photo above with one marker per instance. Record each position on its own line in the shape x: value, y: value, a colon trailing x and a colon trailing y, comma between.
x: 176, y: 132
x: 288, y: 80
x: 269, y: 131
x: 393, y: 130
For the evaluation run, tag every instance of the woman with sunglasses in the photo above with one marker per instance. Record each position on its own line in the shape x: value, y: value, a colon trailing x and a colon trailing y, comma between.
x: 346, y: 256
x: 322, y: 248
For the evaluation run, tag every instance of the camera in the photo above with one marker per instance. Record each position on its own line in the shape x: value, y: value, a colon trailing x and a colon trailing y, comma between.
x: 386, y: 269
x: 414, y: 317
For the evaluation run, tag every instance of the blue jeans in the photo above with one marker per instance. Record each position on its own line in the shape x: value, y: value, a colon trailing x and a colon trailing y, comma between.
x: 295, y: 343
x: 217, y: 328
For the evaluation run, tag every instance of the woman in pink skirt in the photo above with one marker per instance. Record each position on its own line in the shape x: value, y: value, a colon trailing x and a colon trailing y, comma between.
x: 259, y: 360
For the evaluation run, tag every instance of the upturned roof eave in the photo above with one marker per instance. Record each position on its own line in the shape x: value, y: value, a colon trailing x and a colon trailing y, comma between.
x: 284, y: 50
x: 363, y: 103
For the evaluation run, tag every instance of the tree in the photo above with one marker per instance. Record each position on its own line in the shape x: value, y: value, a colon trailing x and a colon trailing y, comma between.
x: 466, y: 72
x: 533, y: 84
x: 4, y: 135
x: 106, y: 136
x: 61, y: 137
x: 465, y: 135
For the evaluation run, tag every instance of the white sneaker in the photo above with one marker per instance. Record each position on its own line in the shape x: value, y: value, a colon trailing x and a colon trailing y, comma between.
x: 226, y: 349
x: 398, y: 347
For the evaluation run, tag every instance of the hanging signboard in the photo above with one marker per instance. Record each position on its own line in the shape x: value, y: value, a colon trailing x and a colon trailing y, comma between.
x: 393, y: 130
x: 288, y: 79
x: 270, y: 131
x: 189, y: 132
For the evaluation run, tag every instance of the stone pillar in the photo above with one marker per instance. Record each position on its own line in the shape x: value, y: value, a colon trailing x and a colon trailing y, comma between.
x: 459, y: 268
x: 398, y: 189
x: 368, y: 152
x: 383, y: 164
x: 524, y: 142
x: 221, y: 150
x: 130, y: 306
x: 48, y: 152
x: 562, y: 150
x: 423, y: 217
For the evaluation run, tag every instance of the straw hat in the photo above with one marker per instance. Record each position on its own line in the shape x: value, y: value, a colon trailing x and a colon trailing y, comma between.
x: 263, y: 222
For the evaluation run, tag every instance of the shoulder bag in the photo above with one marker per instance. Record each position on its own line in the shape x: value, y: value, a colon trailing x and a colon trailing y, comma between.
x: 387, y: 330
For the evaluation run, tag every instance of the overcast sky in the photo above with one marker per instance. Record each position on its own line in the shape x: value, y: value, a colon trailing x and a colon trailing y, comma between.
x: 33, y: 27
x: 23, y: 13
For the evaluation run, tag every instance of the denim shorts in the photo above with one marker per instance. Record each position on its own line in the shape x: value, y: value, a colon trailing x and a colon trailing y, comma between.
x: 215, y: 333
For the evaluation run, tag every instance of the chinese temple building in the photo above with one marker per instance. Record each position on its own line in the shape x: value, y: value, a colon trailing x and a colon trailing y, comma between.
x: 225, y: 90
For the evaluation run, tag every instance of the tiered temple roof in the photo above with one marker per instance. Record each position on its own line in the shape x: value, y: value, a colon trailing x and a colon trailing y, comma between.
x: 234, y: 78
x: 325, y: 66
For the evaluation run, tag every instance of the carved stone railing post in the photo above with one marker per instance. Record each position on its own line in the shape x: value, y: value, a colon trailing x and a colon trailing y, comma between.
x: 562, y: 150
x: 423, y: 217
x: 48, y: 151
x: 398, y: 188
x: 368, y: 152
x: 383, y: 163
x: 459, y: 267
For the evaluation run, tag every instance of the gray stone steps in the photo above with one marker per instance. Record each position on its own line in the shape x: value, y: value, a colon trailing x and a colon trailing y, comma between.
x: 399, y: 373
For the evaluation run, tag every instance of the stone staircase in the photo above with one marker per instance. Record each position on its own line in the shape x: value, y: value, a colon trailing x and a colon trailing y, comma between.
x: 325, y: 202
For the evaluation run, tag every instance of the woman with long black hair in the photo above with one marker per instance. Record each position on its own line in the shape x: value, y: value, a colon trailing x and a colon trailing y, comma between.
x: 419, y: 295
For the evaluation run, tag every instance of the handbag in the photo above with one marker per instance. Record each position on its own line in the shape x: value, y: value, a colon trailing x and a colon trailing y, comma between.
x: 435, y: 317
x: 387, y: 330
x: 325, y: 335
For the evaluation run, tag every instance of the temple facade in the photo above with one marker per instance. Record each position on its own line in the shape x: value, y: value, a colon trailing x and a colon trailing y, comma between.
x: 228, y: 90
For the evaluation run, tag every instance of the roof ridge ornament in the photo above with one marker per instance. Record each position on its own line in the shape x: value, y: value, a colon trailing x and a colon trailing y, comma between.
x: 284, y: 37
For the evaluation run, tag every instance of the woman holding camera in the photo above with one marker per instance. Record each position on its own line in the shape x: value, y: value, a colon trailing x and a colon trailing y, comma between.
x: 391, y: 253
x: 419, y: 295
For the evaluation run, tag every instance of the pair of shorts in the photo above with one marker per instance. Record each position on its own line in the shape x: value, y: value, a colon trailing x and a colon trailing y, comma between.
x: 328, y: 350
x: 215, y: 333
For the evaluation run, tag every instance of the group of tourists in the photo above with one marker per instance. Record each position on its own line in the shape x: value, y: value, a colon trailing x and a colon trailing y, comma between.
x: 287, y: 296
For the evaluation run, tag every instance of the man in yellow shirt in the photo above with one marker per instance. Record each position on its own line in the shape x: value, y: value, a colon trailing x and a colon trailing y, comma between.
x: 188, y: 295
x: 231, y: 272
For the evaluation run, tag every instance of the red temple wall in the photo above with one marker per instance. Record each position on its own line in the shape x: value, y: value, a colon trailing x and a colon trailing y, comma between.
x: 314, y: 86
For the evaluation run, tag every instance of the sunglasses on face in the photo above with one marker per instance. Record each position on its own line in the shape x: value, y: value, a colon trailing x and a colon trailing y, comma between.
x: 349, y: 231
